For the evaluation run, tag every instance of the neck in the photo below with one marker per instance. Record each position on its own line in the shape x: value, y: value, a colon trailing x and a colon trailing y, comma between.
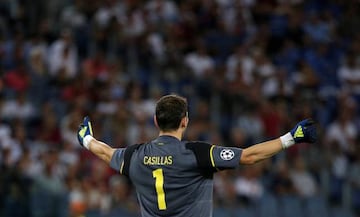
x: 177, y: 134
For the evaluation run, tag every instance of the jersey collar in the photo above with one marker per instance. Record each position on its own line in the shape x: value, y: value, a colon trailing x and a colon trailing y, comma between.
x: 167, y: 139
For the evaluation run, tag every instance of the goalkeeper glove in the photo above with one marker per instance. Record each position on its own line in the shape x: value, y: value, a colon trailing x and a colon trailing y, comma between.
x: 85, y: 134
x: 304, y: 131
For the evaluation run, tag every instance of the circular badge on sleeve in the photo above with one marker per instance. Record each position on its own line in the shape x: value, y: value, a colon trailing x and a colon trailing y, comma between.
x: 227, y: 154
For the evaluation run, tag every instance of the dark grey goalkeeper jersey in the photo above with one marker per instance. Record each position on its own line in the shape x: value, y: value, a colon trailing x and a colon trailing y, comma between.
x: 174, y: 178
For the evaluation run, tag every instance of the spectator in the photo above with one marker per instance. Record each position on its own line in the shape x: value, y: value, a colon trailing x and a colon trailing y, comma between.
x: 69, y: 125
x: 304, y: 182
x: 48, y: 131
x: 109, y: 9
x: 49, y: 198
x: 240, y: 58
x: 354, y: 178
x: 18, y: 108
x: 17, y: 80
x: 282, y: 183
x: 38, y: 73
x: 162, y: 11
x: 248, y: 186
x: 317, y: 29
x: 12, y: 152
x: 306, y: 78
x: 251, y: 124
x: 134, y: 22
x: 225, y: 190
x: 63, y: 56
x: 96, y: 67
x: 120, y: 197
x: 349, y: 75
x: 200, y: 62
x: 73, y: 16
x: 343, y: 131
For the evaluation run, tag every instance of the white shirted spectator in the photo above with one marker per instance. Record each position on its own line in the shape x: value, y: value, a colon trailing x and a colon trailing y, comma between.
x: 251, y: 124
x: 248, y: 184
x: 278, y: 85
x: 157, y: 45
x: 72, y: 16
x: 18, y: 108
x: 5, y: 132
x: 69, y: 125
x: 236, y: 15
x: 134, y: 24
x: 68, y: 156
x: 349, y: 75
x: 63, y: 56
x: 162, y: 10
x: 342, y: 131
x: 339, y: 165
x: 37, y: 46
x: 304, y: 182
x: 140, y: 130
x: 200, y: 62
x: 246, y: 63
x: 263, y: 66
x: 110, y: 9
x: 149, y: 104
x: 106, y: 106
x: 13, y: 150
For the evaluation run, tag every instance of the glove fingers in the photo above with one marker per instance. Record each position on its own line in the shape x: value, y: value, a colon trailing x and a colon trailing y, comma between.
x: 312, y: 133
x: 309, y: 122
x: 86, y: 120
x: 84, y: 129
x: 81, y: 126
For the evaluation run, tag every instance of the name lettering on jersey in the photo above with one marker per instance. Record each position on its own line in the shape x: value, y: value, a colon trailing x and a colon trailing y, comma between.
x: 158, y: 160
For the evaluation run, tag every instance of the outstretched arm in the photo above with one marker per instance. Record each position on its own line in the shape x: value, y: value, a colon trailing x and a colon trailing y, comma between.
x: 261, y: 151
x: 304, y: 131
x: 101, y: 149
x: 86, y: 139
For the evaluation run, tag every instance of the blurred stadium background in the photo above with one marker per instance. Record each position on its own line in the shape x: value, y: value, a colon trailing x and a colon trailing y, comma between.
x: 250, y: 70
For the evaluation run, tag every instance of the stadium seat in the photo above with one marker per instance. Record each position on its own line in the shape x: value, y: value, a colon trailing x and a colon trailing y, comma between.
x: 290, y: 206
x: 42, y: 203
x: 340, y: 212
x: 93, y: 213
x: 243, y: 212
x: 267, y: 206
x: 316, y: 206
x: 116, y: 212
x: 221, y: 212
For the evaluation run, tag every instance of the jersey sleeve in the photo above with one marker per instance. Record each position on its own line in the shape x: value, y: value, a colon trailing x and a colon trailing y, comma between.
x: 214, y: 158
x: 225, y: 157
x: 117, y: 160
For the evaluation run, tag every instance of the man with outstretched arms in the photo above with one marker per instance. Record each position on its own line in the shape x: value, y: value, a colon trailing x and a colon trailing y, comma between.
x: 174, y: 178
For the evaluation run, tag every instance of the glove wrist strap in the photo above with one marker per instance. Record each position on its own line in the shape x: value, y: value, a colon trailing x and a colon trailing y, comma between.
x: 87, y: 140
x: 287, y: 140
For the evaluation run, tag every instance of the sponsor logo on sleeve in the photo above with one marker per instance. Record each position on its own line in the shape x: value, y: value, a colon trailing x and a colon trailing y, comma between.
x: 227, y: 154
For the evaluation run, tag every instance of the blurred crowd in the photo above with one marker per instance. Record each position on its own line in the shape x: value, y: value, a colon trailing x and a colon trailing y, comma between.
x: 250, y: 70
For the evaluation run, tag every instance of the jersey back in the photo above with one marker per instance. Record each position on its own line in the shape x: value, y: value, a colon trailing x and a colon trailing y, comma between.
x: 174, y: 178
x: 167, y: 180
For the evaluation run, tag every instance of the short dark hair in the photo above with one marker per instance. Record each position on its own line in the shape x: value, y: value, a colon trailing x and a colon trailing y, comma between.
x: 170, y: 109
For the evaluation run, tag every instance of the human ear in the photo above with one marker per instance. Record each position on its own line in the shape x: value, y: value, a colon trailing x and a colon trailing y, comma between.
x: 155, y: 122
x: 184, y: 122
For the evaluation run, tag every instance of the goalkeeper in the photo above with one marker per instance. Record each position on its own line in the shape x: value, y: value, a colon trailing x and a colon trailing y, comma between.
x: 173, y: 177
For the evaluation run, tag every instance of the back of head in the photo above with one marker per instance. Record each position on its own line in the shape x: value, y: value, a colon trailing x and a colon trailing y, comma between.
x: 170, y: 110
